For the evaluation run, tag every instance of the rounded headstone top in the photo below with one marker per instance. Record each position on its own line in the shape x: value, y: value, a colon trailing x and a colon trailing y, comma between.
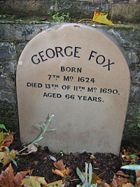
x: 80, y: 75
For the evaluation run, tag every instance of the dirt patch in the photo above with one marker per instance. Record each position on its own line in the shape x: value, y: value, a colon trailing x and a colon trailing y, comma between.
x: 42, y: 163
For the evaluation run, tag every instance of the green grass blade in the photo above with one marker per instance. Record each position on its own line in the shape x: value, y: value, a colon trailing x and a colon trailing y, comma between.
x: 80, y: 175
x: 90, y: 173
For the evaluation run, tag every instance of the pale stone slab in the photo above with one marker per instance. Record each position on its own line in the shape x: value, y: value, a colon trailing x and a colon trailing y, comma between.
x: 80, y: 75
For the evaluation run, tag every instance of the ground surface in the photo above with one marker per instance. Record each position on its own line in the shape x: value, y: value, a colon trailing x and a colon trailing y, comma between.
x: 105, y: 165
x: 42, y: 163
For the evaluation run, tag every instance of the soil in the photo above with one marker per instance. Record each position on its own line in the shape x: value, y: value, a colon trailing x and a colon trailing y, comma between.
x: 41, y: 163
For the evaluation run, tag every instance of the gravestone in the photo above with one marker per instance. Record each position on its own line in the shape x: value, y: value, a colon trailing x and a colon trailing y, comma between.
x: 80, y: 75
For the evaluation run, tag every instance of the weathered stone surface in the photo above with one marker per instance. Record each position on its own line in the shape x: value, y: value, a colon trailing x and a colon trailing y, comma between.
x: 7, y: 69
x: 21, y: 32
x: 7, y: 51
x: 6, y: 96
x: 132, y: 56
x: 33, y: 30
x: 8, y: 111
x: 126, y: 12
x: 79, y: 80
x: 128, y: 39
x: 9, y: 115
x: 20, y: 46
x: 44, y: 7
x: 133, y: 112
x: 120, y: 10
x: 11, y: 32
x: 7, y: 83
x: 136, y: 75
x: 24, y: 7
x: 135, y: 93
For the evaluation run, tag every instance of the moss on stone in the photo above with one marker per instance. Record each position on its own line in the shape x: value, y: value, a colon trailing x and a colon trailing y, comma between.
x: 5, y: 18
x: 128, y: 26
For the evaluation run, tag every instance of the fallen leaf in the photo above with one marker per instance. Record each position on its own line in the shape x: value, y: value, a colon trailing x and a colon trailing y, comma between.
x: 130, y: 157
x: 62, y: 173
x: 138, y: 182
x: 7, y: 178
x: 95, y: 178
x: 106, y: 185
x: 122, y: 174
x: 5, y: 139
x: 138, y: 173
x: 7, y: 157
x: 58, y: 172
x: 34, y: 181
x: 127, y: 185
x: 55, y: 184
x: 138, y: 178
x: 59, y: 165
x: 8, y: 139
x: 121, y: 179
x: 102, y: 183
x: 1, y: 137
x: 20, y: 175
x: 61, y: 170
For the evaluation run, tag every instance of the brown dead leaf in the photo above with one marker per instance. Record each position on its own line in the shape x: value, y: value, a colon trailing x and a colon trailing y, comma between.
x: 122, y: 174
x: 106, y: 185
x: 95, y: 178
x: 7, y: 178
x: 127, y: 185
x: 59, y: 164
x: 121, y: 180
x: 62, y: 173
x: 20, y: 176
x: 61, y: 170
x: 58, y: 172
x: 102, y: 183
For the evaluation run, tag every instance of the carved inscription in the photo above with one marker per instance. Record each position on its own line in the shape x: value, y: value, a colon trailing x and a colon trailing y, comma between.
x: 70, y: 51
x: 72, y: 90
x: 78, y: 74
x: 59, y: 52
